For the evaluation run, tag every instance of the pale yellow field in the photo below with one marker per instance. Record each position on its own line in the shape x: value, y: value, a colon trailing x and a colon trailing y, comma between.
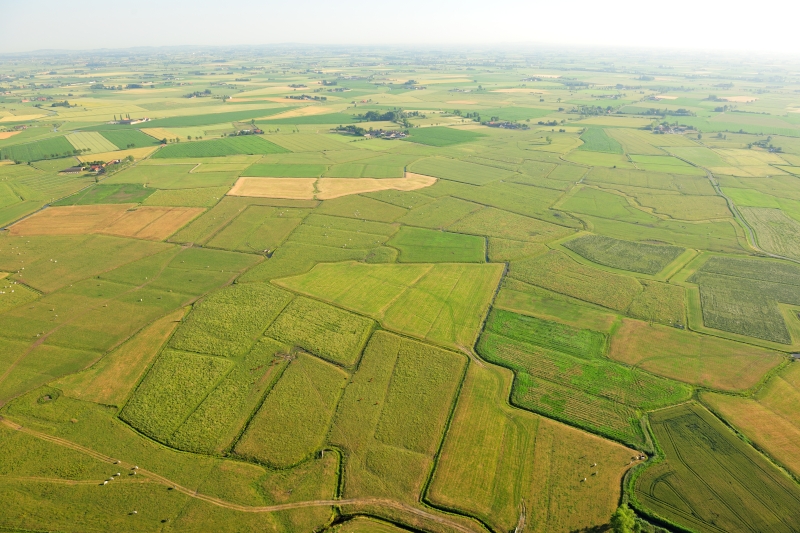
x: 325, y: 188
x: 463, y: 102
x: 291, y: 188
x: 664, y: 97
x: 158, y: 133
x: 151, y: 223
x: 7, y: 134
x: 12, y: 118
x: 336, y: 187
x: 137, y: 153
x: 303, y: 112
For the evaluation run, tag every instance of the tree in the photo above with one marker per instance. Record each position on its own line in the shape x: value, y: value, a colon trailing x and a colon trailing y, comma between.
x: 623, y: 520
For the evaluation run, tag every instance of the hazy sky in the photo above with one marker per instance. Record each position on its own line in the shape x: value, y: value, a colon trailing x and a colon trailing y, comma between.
x: 703, y: 24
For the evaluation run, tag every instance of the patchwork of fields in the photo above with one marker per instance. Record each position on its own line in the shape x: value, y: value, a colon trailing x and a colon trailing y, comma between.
x: 315, y: 294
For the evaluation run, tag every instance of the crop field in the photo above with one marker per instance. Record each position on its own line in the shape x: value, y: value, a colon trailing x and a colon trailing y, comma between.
x: 571, y: 382
x: 768, y: 418
x: 91, y: 141
x: 228, y: 322
x: 686, y: 356
x: 249, y: 144
x: 458, y: 291
x: 419, y: 245
x: 776, y: 233
x: 52, y: 148
x: 597, y: 140
x: 127, y: 139
x: 124, y: 193
x: 455, y: 170
x: 439, y: 136
x: 408, y: 389
x: 294, y: 418
x: 151, y: 223
x: 323, y: 330
x: 711, y: 480
x: 742, y: 296
x: 625, y: 255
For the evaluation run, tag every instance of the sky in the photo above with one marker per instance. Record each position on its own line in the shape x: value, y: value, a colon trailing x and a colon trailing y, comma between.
x: 735, y: 25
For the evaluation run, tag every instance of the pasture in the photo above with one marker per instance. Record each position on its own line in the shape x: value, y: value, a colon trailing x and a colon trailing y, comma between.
x: 419, y: 245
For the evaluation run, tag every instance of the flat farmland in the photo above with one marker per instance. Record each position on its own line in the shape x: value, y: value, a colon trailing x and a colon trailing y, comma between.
x: 444, y: 303
x: 690, y: 357
x: 150, y: 223
x: 419, y: 245
x: 625, y: 255
x: 91, y: 141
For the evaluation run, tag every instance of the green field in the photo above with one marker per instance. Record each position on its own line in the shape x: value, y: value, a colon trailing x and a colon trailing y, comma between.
x: 249, y: 144
x: 418, y: 245
x: 597, y: 140
x: 625, y: 255
x: 45, y: 149
x: 109, y: 194
x: 438, y: 136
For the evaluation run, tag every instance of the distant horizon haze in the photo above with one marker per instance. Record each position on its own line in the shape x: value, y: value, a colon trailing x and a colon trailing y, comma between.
x: 700, y: 25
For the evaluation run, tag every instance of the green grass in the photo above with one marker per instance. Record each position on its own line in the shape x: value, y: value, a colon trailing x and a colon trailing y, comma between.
x: 557, y: 272
x: 258, y: 229
x: 394, y: 412
x: 443, y: 303
x: 493, y: 222
x: 356, y: 206
x: 442, y: 136
x: 248, y: 144
x: 439, y: 213
x: 45, y: 149
x: 323, y: 330
x: 711, y: 480
x: 326, y: 119
x: 200, y: 197
x: 597, y: 140
x: 419, y: 245
x: 124, y: 139
x: 228, y: 322
x: 742, y: 296
x: 461, y: 171
x: 583, y: 343
x: 271, y: 170
x: 293, y: 420
x: 124, y: 193
x: 586, y: 390
x: 221, y: 416
x: 172, y: 389
x: 626, y: 255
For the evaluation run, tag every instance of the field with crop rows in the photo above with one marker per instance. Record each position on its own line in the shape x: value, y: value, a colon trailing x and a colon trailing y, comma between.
x: 711, y: 480
x: 625, y: 255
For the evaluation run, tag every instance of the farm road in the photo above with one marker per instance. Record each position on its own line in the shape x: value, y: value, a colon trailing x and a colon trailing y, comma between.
x: 380, y: 502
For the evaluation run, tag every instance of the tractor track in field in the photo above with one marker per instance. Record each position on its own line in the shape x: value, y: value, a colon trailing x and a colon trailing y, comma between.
x: 380, y: 502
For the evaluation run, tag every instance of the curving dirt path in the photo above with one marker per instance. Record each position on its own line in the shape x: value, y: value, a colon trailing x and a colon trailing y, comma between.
x: 380, y: 502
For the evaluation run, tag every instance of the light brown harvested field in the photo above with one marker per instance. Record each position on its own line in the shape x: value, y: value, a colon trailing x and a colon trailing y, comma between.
x: 303, y: 112
x: 7, y: 134
x: 739, y: 99
x: 291, y: 188
x: 326, y: 188
x: 335, y: 187
x: 463, y: 102
x: 665, y: 97
x: 151, y: 223
x: 158, y: 133
x: 13, y: 118
x: 690, y: 357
